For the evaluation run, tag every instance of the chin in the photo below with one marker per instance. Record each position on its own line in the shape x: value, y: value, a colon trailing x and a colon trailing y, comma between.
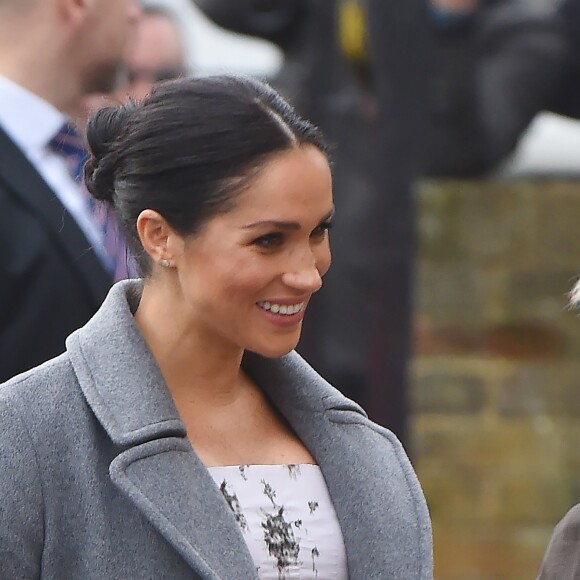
x: 273, y: 350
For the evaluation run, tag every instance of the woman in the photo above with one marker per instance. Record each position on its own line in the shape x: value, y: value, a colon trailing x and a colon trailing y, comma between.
x: 178, y: 436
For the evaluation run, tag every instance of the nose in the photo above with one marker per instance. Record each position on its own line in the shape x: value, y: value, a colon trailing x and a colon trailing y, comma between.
x: 305, y: 279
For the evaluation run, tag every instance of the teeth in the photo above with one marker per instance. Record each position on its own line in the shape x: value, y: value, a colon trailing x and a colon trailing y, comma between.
x: 284, y: 309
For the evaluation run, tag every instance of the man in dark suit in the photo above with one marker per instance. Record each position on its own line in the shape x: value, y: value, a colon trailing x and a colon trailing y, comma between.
x: 53, y: 273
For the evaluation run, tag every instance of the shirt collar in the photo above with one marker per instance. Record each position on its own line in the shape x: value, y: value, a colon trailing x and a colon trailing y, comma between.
x: 30, y: 121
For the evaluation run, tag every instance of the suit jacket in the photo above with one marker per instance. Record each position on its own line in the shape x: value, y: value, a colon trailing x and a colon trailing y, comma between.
x: 51, y: 282
x: 562, y: 558
x: 99, y: 481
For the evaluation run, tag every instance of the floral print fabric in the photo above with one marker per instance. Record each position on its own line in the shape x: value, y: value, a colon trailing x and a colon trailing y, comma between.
x: 287, y: 519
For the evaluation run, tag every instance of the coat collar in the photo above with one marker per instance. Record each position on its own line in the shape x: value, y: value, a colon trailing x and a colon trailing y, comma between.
x: 126, y: 390
x: 380, y: 506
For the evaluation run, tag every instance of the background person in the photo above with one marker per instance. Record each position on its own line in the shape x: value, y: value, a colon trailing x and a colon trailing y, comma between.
x: 156, y: 52
x: 495, y: 64
x: 179, y: 420
x: 55, y: 270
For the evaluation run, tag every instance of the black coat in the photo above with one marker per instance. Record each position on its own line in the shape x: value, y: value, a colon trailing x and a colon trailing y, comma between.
x: 491, y: 74
x: 51, y: 281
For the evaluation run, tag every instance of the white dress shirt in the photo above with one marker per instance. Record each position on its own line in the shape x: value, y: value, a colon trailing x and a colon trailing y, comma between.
x: 31, y: 123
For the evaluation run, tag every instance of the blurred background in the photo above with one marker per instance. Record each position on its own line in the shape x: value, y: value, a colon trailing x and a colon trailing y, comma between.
x: 550, y: 145
x: 211, y: 49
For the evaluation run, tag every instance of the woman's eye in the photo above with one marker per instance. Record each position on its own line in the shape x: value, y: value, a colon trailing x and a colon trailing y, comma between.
x: 269, y: 240
x: 321, y: 229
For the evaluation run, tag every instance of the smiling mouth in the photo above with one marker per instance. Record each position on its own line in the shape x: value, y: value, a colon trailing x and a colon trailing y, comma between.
x: 284, y: 309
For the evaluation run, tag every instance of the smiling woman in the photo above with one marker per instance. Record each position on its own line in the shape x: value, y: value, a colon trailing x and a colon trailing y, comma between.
x: 270, y: 248
x: 179, y: 419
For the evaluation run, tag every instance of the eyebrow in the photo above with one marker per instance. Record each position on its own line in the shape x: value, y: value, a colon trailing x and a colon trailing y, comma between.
x: 284, y: 225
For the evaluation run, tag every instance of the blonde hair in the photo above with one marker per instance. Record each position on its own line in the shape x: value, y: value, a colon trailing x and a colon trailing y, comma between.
x: 575, y: 294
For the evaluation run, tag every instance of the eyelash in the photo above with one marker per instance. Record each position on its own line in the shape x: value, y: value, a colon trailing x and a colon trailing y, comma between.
x: 268, y: 241
x: 275, y: 239
x: 322, y: 228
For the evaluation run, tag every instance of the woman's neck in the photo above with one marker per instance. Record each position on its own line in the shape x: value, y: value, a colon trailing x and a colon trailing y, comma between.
x: 195, y: 366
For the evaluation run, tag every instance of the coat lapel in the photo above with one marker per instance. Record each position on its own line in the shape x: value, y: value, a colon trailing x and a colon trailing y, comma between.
x: 158, y: 472
x: 24, y: 182
x: 378, y: 502
x: 167, y: 482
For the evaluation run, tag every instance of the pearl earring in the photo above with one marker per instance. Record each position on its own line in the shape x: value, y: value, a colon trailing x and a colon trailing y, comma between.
x: 165, y: 263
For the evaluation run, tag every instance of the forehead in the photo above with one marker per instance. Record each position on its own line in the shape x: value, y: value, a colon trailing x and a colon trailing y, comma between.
x: 294, y: 185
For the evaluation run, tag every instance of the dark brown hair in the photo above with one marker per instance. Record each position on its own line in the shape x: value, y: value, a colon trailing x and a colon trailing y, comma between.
x: 188, y: 149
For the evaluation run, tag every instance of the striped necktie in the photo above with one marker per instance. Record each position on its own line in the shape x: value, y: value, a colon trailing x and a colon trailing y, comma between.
x: 69, y: 144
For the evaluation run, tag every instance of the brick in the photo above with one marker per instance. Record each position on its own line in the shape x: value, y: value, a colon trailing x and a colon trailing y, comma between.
x: 495, y: 393
x: 453, y: 393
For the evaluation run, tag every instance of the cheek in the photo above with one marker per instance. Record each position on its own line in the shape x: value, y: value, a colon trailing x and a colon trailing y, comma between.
x: 246, y: 284
x: 238, y: 283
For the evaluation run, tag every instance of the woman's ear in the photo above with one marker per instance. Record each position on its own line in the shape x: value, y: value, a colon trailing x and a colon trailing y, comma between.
x: 158, y: 238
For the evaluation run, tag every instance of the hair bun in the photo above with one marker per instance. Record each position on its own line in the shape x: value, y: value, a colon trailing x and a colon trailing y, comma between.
x: 104, y: 131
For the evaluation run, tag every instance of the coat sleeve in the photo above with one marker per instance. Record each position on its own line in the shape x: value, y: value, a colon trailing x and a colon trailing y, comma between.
x: 491, y: 76
x: 21, y: 504
x: 562, y: 558
x: 525, y: 61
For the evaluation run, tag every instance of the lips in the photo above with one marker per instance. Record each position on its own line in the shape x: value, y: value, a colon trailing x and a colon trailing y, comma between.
x: 283, y: 309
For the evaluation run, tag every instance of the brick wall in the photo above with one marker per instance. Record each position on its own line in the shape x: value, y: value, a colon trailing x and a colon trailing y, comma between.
x: 496, y: 372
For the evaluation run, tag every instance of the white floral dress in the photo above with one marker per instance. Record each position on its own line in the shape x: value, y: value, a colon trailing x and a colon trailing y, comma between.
x: 287, y: 519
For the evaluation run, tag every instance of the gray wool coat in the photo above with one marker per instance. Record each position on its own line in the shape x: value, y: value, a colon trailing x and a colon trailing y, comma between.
x: 98, y: 480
